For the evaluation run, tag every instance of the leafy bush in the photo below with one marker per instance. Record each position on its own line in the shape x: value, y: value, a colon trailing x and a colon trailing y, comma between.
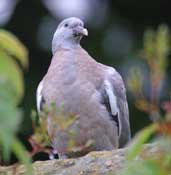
x: 13, y: 57
x: 155, y: 54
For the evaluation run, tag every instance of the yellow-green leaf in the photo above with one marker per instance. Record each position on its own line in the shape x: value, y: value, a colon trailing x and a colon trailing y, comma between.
x: 140, y: 139
x: 23, y: 156
x: 12, y: 72
x: 11, y: 45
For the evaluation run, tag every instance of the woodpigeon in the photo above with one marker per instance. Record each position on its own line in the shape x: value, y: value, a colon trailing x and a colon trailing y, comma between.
x: 84, y: 88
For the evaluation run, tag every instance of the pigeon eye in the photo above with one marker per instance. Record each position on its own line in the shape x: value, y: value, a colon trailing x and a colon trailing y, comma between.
x: 66, y: 25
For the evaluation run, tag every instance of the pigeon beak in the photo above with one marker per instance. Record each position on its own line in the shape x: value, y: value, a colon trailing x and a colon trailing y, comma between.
x: 85, y: 32
x: 81, y: 31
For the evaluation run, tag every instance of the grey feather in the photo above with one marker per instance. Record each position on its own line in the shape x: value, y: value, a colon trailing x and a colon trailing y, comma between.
x: 105, y: 101
x: 120, y: 92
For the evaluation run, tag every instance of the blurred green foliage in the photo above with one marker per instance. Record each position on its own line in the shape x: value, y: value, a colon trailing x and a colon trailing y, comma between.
x: 12, y: 50
x: 13, y: 56
x: 141, y: 162
x: 155, y: 53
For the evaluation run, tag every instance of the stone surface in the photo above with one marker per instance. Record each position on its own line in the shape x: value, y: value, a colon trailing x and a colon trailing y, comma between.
x: 94, y: 163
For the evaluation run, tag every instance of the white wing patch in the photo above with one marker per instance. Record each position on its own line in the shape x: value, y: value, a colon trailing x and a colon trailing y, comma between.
x: 112, y: 97
x: 113, y: 101
x: 39, y: 95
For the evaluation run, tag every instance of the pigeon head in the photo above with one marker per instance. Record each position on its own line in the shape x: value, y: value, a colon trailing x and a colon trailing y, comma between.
x: 68, y: 34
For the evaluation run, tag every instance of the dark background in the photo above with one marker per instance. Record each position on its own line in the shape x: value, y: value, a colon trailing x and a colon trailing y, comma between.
x: 115, y: 37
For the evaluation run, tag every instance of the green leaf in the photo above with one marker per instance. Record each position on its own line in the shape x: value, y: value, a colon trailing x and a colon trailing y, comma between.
x: 149, y: 44
x: 142, y: 167
x: 162, y: 45
x: 140, y: 139
x: 12, y: 46
x: 11, y: 71
x: 135, y: 80
x: 23, y: 156
x: 10, y: 118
